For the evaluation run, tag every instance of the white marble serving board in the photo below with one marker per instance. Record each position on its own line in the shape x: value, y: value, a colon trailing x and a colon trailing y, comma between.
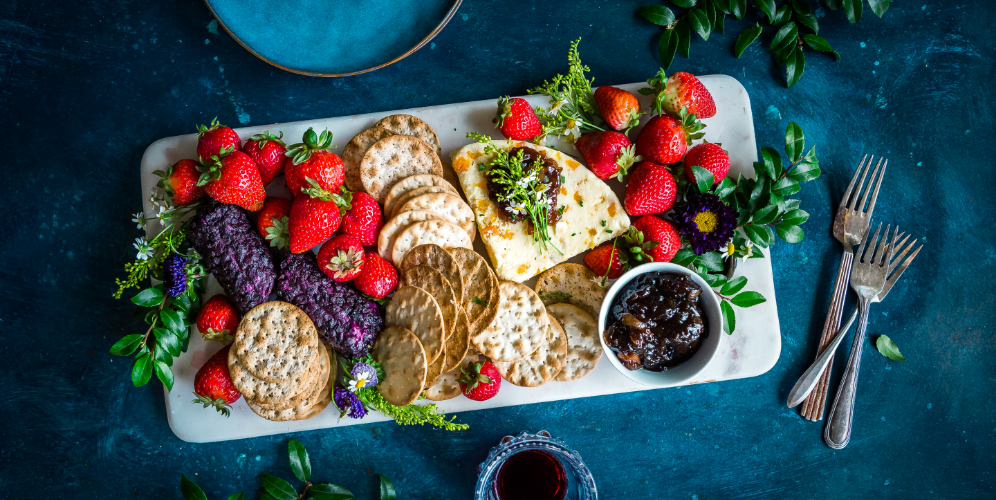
x: 752, y: 349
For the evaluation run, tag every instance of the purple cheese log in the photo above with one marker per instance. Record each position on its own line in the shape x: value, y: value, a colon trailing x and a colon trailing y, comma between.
x: 346, y: 320
x: 234, y: 252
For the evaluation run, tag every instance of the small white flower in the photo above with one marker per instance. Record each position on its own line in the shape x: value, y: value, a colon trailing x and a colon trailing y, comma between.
x: 357, y: 384
x: 729, y: 249
x: 164, y: 212
x: 750, y: 250
x: 556, y: 106
x: 139, y: 219
x: 144, y: 250
x: 573, y: 132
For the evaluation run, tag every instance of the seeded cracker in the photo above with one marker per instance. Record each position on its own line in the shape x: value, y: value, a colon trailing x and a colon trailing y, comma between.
x: 393, y: 158
x: 584, y: 349
x: 353, y: 153
x: 263, y: 392
x: 416, y: 192
x: 415, y: 309
x: 450, y: 206
x: 439, y: 259
x: 447, y: 386
x: 480, y: 283
x: 308, y: 408
x: 442, y: 233
x: 389, y: 233
x: 276, y: 341
x: 401, y: 355
x: 410, y: 183
x: 519, y: 328
x: 571, y: 283
x: 414, y: 126
x: 542, y: 365
x: 436, y: 284
x: 457, y: 343
x: 313, y: 391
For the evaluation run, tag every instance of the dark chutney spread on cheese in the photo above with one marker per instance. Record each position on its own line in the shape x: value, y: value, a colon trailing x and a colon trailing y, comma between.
x: 548, y: 175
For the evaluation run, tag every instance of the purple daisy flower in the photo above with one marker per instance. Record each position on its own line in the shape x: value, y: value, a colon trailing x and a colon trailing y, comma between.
x: 348, y: 403
x: 706, y: 222
x: 363, y: 376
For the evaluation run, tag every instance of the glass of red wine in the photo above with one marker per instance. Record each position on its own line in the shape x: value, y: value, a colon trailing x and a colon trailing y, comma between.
x: 534, y: 467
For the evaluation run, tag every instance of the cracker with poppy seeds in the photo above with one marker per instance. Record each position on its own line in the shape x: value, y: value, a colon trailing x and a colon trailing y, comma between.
x: 400, y: 202
x: 326, y: 370
x: 263, y: 392
x: 404, y: 362
x: 410, y: 183
x: 519, y: 328
x: 438, y: 286
x: 394, y: 226
x: 543, y: 364
x: 442, y: 233
x: 276, y: 341
x: 450, y: 206
x: 480, y: 288
x: 353, y: 153
x: 309, y: 407
x: 439, y: 259
x: 414, y: 309
x: 393, y: 158
x: 571, y: 283
x: 584, y: 348
x: 413, y: 126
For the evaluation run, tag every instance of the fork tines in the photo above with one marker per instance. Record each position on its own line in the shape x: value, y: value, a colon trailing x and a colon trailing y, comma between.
x: 862, y: 172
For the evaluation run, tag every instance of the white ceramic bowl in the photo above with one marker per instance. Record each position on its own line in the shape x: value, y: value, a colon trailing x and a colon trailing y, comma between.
x: 686, y: 371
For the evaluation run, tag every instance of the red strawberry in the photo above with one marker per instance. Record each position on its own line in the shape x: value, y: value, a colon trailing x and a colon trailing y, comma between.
x: 378, y: 278
x: 269, y: 153
x: 213, y: 385
x: 218, y: 319
x: 709, y: 156
x: 665, y: 139
x: 480, y: 381
x: 516, y: 119
x: 685, y: 91
x: 661, y: 233
x: 233, y: 179
x: 607, y: 260
x: 618, y: 108
x: 363, y: 220
x: 215, y: 140
x: 180, y: 182
x: 312, y: 159
x: 341, y: 258
x: 651, y: 189
x: 272, y: 221
x: 314, y: 217
x: 608, y: 154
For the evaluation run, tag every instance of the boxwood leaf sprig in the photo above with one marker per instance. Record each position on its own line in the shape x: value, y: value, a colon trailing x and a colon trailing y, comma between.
x: 275, y: 488
x: 763, y: 208
x: 796, y: 27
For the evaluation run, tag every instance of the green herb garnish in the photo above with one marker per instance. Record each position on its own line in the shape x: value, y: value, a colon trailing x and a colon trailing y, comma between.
x: 479, y: 302
x: 573, y: 110
x: 555, y: 296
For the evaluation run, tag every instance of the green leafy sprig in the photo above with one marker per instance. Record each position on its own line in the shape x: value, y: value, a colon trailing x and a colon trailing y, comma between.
x: 763, y: 208
x: 275, y: 488
x: 796, y: 27
x: 168, y: 319
x: 572, y: 109
x: 413, y: 414
x: 523, y: 187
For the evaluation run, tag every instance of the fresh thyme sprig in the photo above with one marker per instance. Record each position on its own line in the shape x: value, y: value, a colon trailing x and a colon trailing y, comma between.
x: 573, y: 111
x: 522, y: 188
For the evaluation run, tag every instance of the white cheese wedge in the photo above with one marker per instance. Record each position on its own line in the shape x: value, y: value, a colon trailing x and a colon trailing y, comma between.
x: 592, y: 214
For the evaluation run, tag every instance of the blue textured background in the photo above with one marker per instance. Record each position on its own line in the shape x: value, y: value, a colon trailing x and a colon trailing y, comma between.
x: 85, y: 87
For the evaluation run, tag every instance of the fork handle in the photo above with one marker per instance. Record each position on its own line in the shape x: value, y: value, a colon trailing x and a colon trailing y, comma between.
x: 812, y: 408
x: 807, y: 382
x: 837, y: 432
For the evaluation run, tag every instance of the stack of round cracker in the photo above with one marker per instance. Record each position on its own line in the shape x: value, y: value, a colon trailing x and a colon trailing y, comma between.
x: 279, y: 364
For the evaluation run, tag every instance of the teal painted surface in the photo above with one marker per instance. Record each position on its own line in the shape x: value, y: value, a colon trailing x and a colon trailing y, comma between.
x: 331, y: 36
x: 85, y: 88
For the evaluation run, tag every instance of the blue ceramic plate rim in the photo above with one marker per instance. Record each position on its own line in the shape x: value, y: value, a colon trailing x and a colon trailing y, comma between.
x: 430, y: 36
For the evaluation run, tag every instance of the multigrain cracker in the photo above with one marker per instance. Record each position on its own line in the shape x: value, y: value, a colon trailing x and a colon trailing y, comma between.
x: 480, y: 288
x: 542, y: 365
x: 393, y: 158
x: 389, y: 233
x: 276, y: 341
x: 447, y: 386
x: 450, y: 206
x: 400, y: 202
x: 439, y: 259
x: 413, y: 126
x: 584, y: 349
x: 353, y: 153
x: 311, y: 406
x: 571, y: 283
x: 313, y: 391
x: 415, y: 309
x: 263, y: 392
x: 438, y: 232
x: 518, y: 329
x: 457, y: 343
x: 438, y: 286
x: 403, y: 359
x: 411, y: 183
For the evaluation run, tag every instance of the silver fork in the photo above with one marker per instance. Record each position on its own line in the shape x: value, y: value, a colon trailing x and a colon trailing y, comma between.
x: 850, y: 226
x: 868, y: 280
x: 807, y: 382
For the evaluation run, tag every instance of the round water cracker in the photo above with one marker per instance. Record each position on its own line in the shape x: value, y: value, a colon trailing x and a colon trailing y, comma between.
x: 439, y: 259
x: 542, y: 365
x: 317, y: 383
x: 575, y: 281
x: 411, y: 183
x: 415, y: 309
x: 401, y: 355
x: 519, y: 328
x: 458, y: 342
x: 393, y: 158
x: 417, y: 192
x: 276, y: 341
x: 447, y: 386
x: 263, y: 392
x: 414, y: 126
x: 439, y: 232
x: 583, y: 346
x: 389, y: 233
x: 311, y: 406
x: 448, y: 205
x: 353, y: 153
x: 438, y: 286
x: 434, y: 371
x: 479, y: 282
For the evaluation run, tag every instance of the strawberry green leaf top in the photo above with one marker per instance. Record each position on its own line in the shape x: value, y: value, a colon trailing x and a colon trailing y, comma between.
x: 312, y: 141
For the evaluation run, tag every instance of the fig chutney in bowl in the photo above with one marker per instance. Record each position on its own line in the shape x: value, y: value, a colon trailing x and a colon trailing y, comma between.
x: 660, y: 324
